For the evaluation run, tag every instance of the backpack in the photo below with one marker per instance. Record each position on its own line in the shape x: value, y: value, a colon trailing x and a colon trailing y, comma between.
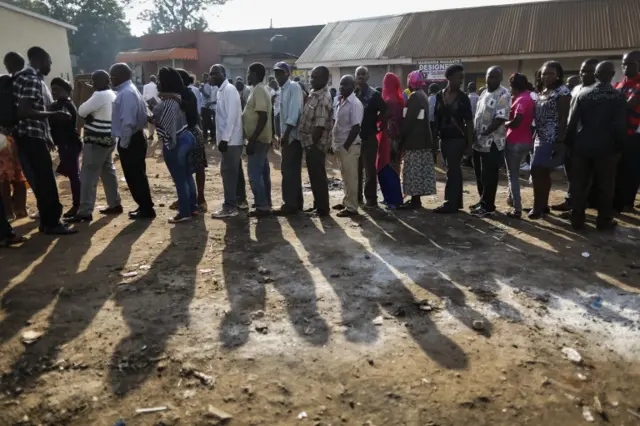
x: 8, y: 109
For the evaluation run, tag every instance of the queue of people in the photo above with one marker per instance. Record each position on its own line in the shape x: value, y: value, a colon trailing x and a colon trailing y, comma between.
x: 387, y: 138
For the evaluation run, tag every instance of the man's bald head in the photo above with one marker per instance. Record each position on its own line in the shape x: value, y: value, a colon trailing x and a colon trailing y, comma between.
x: 217, y: 75
x: 631, y: 63
x: 605, y: 71
x: 362, y: 75
x: 119, y: 74
x: 494, y: 78
x: 347, y: 85
x: 100, y: 80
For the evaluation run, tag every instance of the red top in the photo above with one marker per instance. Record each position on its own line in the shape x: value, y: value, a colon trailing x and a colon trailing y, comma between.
x: 630, y: 88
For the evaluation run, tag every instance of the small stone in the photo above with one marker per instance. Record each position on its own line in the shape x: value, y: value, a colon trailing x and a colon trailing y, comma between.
x: 218, y: 414
x: 371, y: 362
x: 546, y: 382
x: 582, y: 377
x: 302, y: 415
x: 478, y: 325
x: 31, y: 336
x: 262, y: 328
x: 263, y: 271
x: 257, y: 315
x: 586, y: 255
x: 378, y: 320
x: 572, y: 355
x: 586, y: 413
x: 598, y: 405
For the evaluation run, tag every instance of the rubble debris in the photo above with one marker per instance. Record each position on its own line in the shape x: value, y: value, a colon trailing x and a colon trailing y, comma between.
x: 378, y: 320
x: 151, y: 410
x: 217, y: 414
x: 572, y: 355
x: 586, y: 413
x: 129, y: 274
x: 302, y: 415
x: 478, y: 325
x: 263, y: 271
x: 30, y: 336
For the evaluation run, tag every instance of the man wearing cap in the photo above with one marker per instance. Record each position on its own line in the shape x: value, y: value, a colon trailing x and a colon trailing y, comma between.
x: 291, y: 103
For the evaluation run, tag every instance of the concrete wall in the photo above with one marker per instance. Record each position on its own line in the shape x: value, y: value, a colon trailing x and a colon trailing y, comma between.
x: 19, y: 32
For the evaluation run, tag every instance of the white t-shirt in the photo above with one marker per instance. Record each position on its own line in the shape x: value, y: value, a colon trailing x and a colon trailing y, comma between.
x: 149, y: 91
x: 229, y: 115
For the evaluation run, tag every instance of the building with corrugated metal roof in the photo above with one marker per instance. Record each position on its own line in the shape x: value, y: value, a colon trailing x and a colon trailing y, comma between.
x: 518, y: 37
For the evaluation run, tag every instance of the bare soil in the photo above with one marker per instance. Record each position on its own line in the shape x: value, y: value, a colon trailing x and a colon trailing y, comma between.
x: 397, y: 318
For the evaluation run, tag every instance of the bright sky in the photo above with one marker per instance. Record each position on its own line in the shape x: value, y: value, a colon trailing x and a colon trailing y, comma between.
x: 243, y: 14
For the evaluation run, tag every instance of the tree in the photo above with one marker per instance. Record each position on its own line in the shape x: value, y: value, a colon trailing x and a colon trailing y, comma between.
x: 101, y: 28
x: 178, y: 15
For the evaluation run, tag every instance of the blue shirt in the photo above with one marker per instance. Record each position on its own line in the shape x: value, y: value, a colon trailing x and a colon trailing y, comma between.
x: 291, y: 104
x: 129, y: 113
x: 199, y: 97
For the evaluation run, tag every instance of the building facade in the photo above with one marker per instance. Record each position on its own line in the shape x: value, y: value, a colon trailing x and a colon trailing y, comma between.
x: 21, y: 29
x: 519, y: 38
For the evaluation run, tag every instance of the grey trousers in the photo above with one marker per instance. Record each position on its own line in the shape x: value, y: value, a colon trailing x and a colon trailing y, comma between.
x: 513, y: 155
x: 97, y: 163
x: 291, y: 168
x: 233, y: 177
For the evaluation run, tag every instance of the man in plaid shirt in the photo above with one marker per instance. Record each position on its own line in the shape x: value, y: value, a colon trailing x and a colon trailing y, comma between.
x: 33, y: 137
x: 315, y: 135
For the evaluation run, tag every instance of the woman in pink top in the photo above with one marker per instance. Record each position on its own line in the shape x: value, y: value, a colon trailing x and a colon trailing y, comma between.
x: 519, y: 137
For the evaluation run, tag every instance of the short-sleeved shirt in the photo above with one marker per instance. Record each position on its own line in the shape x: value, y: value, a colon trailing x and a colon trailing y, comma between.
x: 451, y: 118
x: 30, y: 85
x: 350, y: 113
x: 259, y: 101
x: 491, y: 106
x: 473, y: 98
x: 525, y: 106
x: 373, y: 105
x: 630, y: 88
x: 317, y: 112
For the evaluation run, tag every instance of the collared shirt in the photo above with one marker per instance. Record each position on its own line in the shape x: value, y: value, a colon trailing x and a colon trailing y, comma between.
x: 209, y: 96
x: 149, y: 91
x: 259, y: 101
x: 317, y: 112
x: 473, y: 99
x: 597, y: 121
x: 229, y: 115
x: 291, y: 103
x: 432, y: 108
x: 492, y: 105
x: 129, y: 113
x: 350, y: 113
x: 198, y: 95
x: 30, y: 85
x: 374, y: 106
x: 275, y: 95
x: 630, y: 88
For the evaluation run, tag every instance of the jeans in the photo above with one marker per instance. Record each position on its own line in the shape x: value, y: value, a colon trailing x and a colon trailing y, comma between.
x: 233, y: 177
x: 291, y: 168
x: 177, y: 160
x: 452, y: 152
x: 134, y: 168
x: 97, y: 163
x: 43, y: 181
x: 259, y: 178
x: 487, y: 168
x: 514, y: 154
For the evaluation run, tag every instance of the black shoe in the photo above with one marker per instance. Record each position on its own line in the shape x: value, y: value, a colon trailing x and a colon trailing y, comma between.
x: 115, y: 210
x: 608, y: 225
x: 338, y: 207
x: 514, y: 214
x: 534, y: 215
x: 562, y: 207
x: 445, y: 210
x: 71, y: 212
x: 59, y: 230
x: 347, y: 213
x: 79, y: 219
x: 286, y: 211
x: 371, y: 204
x: 475, y: 206
x: 140, y: 214
x: 260, y: 213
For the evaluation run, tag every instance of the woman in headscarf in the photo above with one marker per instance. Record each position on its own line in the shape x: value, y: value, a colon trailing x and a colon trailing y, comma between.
x: 64, y: 133
x: 418, y: 172
x: 388, y: 161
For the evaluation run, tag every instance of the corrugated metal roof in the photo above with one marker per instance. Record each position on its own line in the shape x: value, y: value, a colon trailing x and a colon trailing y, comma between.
x: 38, y: 16
x: 542, y: 27
x: 352, y: 40
x: 259, y: 40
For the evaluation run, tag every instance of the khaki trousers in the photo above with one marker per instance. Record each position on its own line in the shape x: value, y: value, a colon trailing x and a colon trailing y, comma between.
x: 349, y: 170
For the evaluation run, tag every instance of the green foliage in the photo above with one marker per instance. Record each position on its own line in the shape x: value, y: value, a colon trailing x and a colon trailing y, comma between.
x: 166, y: 16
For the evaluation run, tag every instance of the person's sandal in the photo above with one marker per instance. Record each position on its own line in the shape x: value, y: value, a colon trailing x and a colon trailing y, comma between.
x: 11, y: 241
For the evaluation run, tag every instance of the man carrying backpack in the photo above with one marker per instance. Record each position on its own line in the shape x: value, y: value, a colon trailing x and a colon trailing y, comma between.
x: 33, y: 136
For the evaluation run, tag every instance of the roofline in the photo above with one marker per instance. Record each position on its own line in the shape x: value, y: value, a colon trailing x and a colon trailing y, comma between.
x: 38, y: 16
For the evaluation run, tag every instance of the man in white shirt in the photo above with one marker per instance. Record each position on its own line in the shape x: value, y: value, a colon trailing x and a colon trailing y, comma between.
x: 230, y: 140
x: 196, y: 92
x: 207, y: 112
x: 346, y: 144
x: 97, y: 153
x: 150, y: 91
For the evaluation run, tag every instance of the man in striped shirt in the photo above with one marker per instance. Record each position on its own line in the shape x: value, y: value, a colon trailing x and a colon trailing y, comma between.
x: 97, y: 153
x: 628, y: 177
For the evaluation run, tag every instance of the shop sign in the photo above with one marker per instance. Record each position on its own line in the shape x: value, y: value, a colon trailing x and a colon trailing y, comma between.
x: 435, y: 70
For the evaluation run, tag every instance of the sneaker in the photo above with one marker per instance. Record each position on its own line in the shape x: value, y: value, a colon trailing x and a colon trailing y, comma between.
x: 481, y: 212
x: 371, y: 204
x: 79, y: 219
x: 338, y: 207
x: 525, y: 168
x: 115, y: 210
x: 347, y: 213
x: 243, y: 205
x: 224, y: 213
x: 179, y: 219
x: 475, y: 206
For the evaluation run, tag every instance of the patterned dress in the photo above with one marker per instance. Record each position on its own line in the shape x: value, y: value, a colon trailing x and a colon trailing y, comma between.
x: 547, y: 124
x: 10, y: 168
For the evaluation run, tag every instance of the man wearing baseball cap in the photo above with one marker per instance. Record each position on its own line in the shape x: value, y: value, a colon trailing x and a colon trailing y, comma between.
x: 291, y: 103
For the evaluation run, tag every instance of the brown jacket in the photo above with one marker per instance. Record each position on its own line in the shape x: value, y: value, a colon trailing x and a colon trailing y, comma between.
x: 416, y: 132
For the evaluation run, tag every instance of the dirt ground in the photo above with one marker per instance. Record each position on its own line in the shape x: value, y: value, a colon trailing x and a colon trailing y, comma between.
x: 397, y: 318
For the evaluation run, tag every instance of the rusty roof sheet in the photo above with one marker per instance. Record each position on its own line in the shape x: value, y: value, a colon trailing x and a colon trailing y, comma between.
x: 541, y: 27
x: 352, y: 40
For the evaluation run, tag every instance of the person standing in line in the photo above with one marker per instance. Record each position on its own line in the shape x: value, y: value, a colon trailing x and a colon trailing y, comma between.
x: 595, y: 134
x: 587, y: 79
x: 97, y: 153
x: 552, y: 113
x: 256, y: 122
x: 8, y: 236
x: 150, y: 91
x: 243, y: 90
x: 418, y: 171
x: 315, y: 136
x: 128, y: 119
x: 346, y: 144
x: 628, y: 177
x: 197, y: 94
x: 488, y: 151
x: 275, y: 93
x: 291, y: 110
x: 573, y: 81
x: 208, y: 106
x: 375, y: 109
x: 13, y: 184
x: 519, y: 138
x: 454, y: 124
x: 33, y: 138
x: 67, y: 140
x: 433, y: 91
x: 230, y: 143
x: 473, y: 97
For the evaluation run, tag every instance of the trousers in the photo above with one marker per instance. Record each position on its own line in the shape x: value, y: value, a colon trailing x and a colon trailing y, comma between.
x: 291, y: 168
x: 97, y: 164
x: 349, y: 169
x: 316, y: 160
x: 134, y: 168
x: 233, y: 177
